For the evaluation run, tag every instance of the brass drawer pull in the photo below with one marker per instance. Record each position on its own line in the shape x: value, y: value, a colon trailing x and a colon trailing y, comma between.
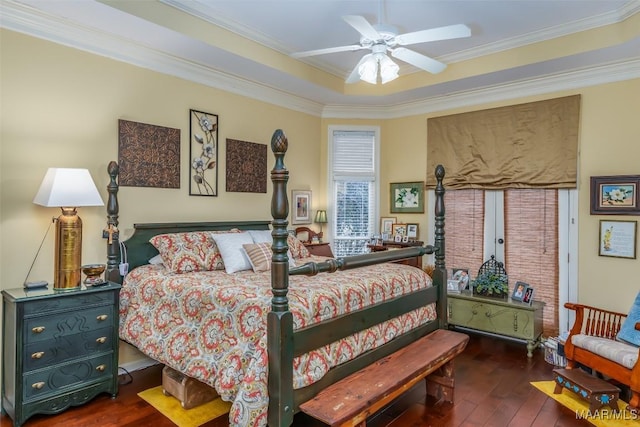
x: 37, y: 355
x: 101, y: 340
x: 102, y: 317
x: 101, y: 368
x: 37, y: 329
x: 38, y: 386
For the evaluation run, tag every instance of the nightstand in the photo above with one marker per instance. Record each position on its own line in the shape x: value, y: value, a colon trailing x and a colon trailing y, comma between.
x: 320, y: 249
x: 60, y: 348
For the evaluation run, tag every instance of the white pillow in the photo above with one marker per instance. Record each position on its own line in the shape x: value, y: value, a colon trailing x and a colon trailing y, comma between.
x: 156, y: 260
x: 261, y: 236
x: 264, y: 236
x: 230, y: 247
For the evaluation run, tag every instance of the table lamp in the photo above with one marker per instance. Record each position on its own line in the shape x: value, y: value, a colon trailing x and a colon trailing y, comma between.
x: 321, y: 218
x: 68, y: 189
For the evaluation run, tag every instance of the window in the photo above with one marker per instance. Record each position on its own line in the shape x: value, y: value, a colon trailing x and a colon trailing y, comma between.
x: 354, y: 187
x: 527, y: 229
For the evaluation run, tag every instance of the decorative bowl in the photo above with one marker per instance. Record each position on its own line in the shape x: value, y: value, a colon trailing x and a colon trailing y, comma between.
x: 93, y: 273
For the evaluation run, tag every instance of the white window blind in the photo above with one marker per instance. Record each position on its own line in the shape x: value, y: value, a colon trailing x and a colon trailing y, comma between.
x: 353, y: 164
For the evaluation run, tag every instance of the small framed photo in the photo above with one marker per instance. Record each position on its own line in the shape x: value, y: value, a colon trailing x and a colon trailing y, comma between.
x: 615, y: 195
x: 386, y: 236
x: 400, y: 229
x: 461, y: 277
x: 301, y: 212
x: 386, y: 224
x: 397, y: 238
x: 452, y: 286
x: 407, y: 197
x: 527, y: 298
x: 618, y: 239
x: 405, y: 239
x: 412, y: 231
x: 519, y: 291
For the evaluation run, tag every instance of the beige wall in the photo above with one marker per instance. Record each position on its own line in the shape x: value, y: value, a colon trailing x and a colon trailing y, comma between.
x: 60, y: 107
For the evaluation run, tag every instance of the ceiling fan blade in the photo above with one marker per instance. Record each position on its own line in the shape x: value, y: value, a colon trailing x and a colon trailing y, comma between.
x: 354, y: 77
x: 327, y: 50
x: 362, y: 26
x: 418, y: 60
x: 434, y: 34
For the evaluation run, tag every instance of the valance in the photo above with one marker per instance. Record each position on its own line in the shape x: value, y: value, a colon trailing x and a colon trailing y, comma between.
x: 532, y: 145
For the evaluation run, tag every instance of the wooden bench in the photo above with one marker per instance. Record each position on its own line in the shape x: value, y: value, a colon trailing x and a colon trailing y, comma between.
x: 596, y: 391
x: 351, y: 400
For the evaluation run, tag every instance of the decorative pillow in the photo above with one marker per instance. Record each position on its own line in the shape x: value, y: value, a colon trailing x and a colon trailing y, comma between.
x: 259, y: 255
x: 628, y: 331
x: 261, y: 236
x: 297, y: 248
x: 189, y: 251
x: 230, y: 247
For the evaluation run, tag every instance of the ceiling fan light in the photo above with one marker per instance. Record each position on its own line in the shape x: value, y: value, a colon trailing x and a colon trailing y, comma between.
x: 388, y: 70
x: 368, y: 70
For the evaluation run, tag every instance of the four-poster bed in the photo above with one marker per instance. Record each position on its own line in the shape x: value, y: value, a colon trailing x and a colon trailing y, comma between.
x: 274, y: 337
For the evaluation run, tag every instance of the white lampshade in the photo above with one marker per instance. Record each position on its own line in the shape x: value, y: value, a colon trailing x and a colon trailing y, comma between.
x: 65, y: 187
x: 368, y: 70
x: 388, y: 69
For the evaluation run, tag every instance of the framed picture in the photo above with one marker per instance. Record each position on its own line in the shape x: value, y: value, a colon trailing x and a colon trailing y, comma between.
x: 407, y: 197
x: 615, y: 195
x: 386, y: 224
x: 203, y: 153
x: 527, y: 298
x: 301, y: 212
x: 519, y: 291
x: 399, y: 229
x: 412, y: 231
x: 618, y: 239
x: 405, y: 239
x: 461, y: 277
x: 397, y: 238
x: 452, y: 286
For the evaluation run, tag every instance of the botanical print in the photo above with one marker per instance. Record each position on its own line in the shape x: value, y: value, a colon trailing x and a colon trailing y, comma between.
x: 406, y: 197
x: 204, y: 154
x: 618, y: 195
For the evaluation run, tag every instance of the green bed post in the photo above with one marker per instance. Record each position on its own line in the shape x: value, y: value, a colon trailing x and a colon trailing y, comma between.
x: 440, y: 272
x: 111, y: 232
x: 280, y: 319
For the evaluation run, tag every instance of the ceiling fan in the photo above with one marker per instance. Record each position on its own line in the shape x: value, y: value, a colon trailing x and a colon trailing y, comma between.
x: 380, y: 39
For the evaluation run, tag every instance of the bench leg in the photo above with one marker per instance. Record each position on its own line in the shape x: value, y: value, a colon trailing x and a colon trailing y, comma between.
x: 440, y: 384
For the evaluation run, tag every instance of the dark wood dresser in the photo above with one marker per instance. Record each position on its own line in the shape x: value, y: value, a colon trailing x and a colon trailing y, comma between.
x: 60, y: 348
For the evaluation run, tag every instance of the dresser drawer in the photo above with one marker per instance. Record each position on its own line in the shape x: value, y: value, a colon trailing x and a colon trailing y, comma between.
x: 43, y: 328
x: 41, y: 354
x: 61, y: 378
x: 69, y: 302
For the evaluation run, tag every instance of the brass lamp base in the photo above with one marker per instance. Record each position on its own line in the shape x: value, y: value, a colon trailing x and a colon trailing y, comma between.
x: 68, y: 250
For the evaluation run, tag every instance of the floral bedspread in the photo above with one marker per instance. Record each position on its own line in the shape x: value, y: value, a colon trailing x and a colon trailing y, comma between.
x: 212, y: 325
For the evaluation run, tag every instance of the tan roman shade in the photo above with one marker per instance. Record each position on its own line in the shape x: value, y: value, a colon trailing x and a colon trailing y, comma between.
x: 532, y: 145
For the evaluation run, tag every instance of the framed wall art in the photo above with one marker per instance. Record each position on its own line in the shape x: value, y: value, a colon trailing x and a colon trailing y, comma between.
x: 407, y: 197
x: 618, y: 239
x: 246, y: 167
x: 412, y: 231
x: 615, y: 195
x: 386, y: 224
x: 203, y: 153
x: 399, y: 229
x: 301, y: 202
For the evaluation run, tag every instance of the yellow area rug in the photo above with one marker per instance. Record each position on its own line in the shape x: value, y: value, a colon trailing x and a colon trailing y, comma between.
x: 604, y: 417
x: 170, y: 407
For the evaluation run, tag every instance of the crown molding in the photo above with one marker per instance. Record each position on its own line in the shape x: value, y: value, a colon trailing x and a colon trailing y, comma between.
x: 30, y: 21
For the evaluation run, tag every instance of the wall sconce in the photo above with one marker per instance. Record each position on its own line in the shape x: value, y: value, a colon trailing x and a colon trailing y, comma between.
x: 321, y: 218
x: 68, y: 189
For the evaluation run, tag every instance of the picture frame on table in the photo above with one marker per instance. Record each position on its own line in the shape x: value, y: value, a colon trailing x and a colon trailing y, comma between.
x: 301, y: 202
x: 615, y: 195
x: 400, y: 229
x: 412, y: 231
x: 406, y: 197
x: 397, y: 238
x: 519, y: 290
x: 386, y: 224
x: 527, y: 298
x: 452, y: 286
x: 461, y: 277
x: 618, y: 238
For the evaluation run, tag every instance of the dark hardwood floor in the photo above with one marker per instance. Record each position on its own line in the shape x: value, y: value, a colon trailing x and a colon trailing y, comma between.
x: 492, y: 389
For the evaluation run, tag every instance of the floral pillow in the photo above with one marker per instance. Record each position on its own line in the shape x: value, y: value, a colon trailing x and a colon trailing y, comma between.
x: 297, y: 248
x: 189, y: 251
